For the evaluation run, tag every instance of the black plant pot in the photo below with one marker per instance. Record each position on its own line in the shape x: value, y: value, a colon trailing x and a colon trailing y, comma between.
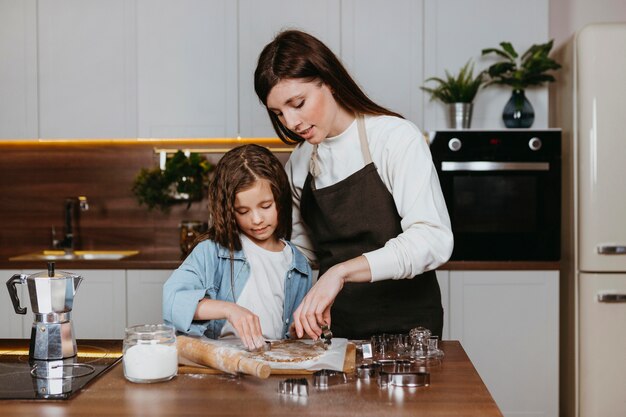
x: 518, y: 112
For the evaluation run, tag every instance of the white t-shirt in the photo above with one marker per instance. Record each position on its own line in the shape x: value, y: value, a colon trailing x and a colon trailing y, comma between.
x: 404, y: 163
x: 264, y: 293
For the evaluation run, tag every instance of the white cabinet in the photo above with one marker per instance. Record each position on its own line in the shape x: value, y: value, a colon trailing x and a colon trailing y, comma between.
x: 106, y: 302
x: 507, y: 322
x: 382, y: 47
x: 99, y: 305
x: 187, y: 68
x: 144, y: 294
x: 18, y: 69
x: 259, y: 22
x: 12, y: 324
x: 86, y: 83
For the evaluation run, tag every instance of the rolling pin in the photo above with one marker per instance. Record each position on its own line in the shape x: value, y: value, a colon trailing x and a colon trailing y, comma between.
x: 218, y: 356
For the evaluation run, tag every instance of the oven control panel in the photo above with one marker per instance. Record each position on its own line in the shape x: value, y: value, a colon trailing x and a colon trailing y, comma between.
x: 496, y: 145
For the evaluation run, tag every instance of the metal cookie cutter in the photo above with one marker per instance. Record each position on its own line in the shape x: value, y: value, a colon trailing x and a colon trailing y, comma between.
x: 327, y: 377
x: 294, y: 386
x: 367, y: 370
x: 404, y: 379
x: 327, y: 336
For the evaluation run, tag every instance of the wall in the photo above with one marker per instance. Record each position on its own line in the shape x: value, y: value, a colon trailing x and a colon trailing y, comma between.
x: 38, y: 176
x: 568, y: 16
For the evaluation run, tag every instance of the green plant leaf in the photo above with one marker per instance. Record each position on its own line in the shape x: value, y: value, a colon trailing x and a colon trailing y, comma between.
x: 182, y: 175
x: 509, y: 49
x: 460, y: 88
x: 529, y: 70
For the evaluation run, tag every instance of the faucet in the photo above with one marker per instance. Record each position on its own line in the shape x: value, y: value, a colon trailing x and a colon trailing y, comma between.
x: 70, y: 229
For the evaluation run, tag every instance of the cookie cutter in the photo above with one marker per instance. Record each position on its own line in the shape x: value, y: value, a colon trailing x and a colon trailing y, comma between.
x: 404, y: 379
x: 396, y: 365
x: 326, y: 377
x: 367, y: 370
x: 327, y: 336
x: 294, y: 386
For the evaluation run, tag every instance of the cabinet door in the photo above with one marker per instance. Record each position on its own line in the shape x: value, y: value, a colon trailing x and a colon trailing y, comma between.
x: 18, y: 69
x: 507, y: 322
x: 455, y: 32
x: 145, y: 295
x: 187, y: 68
x: 87, y: 69
x: 12, y: 324
x: 259, y: 21
x: 382, y: 47
x: 99, y: 305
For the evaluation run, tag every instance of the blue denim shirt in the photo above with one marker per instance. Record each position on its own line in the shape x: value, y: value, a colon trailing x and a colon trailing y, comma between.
x: 206, y: 273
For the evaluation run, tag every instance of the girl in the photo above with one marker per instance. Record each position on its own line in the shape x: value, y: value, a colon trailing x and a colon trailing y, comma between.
x: 367, y: 200
x: 244, y: 278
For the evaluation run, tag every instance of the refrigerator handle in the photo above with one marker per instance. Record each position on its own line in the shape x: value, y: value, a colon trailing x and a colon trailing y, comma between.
x: 611, y: 298
x: 612, y: 250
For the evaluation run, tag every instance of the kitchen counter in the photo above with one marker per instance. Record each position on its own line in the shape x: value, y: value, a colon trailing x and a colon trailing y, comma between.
x: 171, y: 259
x: 456, y: 389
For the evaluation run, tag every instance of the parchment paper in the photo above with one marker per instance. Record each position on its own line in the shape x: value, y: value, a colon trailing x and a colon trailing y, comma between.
x: 333, y: 358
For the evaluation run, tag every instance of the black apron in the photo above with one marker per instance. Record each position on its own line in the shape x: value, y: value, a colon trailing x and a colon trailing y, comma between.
x: 358, y: 215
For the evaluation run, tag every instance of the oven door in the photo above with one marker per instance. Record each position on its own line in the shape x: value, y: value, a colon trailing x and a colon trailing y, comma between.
x: 503, y: 210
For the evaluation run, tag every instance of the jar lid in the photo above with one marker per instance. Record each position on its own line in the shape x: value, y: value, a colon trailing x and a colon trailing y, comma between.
x: 150, y: 330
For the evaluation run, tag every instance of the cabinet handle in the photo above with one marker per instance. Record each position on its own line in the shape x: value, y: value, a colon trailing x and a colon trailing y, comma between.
x: 494, y: 166
x: 612, y: 250
x: 611, y: 298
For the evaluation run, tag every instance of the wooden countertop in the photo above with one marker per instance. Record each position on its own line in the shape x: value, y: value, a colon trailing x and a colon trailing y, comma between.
x: 456, y: 389
x: 171, y: 259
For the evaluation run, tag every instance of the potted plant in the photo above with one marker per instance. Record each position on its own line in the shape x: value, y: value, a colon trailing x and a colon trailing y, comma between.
x: 184, y: 179
x: 458, y: 93
x: 520, y: 73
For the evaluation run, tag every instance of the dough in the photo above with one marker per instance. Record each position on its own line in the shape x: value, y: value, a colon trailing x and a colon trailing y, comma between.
x: 290, y: 351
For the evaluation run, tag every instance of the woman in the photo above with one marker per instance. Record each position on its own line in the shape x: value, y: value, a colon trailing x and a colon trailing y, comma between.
x: 367, y: 200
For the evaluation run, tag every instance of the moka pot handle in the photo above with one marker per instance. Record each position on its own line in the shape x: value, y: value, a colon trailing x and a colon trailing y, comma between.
x: 15, y: 279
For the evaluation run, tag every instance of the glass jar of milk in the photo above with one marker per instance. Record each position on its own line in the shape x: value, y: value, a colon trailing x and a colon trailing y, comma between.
x: 150, y: 353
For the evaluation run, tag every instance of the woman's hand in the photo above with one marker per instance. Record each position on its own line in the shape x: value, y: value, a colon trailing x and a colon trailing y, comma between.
x: 247, y: 325
x: 314, y: 310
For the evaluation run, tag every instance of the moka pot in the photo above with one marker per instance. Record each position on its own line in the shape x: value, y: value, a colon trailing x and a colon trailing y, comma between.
x: 51, y: 298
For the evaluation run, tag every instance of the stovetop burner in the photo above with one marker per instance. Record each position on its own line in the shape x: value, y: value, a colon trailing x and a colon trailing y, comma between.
x: 56, y: 379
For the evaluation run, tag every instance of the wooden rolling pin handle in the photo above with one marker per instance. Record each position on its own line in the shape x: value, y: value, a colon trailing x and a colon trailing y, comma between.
x: 220, y: 357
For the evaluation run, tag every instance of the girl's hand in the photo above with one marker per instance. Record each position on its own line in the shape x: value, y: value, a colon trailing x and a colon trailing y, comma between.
x: 247, y: 326
x: 314, y: 310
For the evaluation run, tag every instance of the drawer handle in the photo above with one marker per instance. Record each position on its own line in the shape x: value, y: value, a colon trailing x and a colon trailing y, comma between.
x: 611, y: 298
x: 612, y: 250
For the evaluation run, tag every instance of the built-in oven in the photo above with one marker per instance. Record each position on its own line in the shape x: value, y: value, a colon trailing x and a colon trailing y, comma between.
x: 503, y: 192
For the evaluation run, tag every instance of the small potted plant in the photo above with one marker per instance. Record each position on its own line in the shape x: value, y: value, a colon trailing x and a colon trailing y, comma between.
x: 458, y: 93
x: 184, y: 179
x: 520, y: 73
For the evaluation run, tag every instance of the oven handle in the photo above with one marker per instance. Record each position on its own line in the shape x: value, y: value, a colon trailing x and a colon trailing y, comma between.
x: 494, y: 166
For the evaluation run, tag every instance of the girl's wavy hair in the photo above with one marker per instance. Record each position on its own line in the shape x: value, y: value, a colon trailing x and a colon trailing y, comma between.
x: 297, y: 55
x: 238, y: 170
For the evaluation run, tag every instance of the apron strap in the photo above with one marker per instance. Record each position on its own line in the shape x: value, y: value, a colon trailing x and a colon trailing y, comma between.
x: 365, y: 147
x: 314, y: 165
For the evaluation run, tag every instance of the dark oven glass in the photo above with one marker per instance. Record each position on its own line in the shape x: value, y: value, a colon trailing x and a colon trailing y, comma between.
x: 506, y: 207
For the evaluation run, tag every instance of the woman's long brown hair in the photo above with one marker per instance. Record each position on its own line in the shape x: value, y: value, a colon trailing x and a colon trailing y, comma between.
x: 295, y: 54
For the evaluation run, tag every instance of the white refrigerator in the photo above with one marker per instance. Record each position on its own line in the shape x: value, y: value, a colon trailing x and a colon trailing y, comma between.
x: 593, y: 301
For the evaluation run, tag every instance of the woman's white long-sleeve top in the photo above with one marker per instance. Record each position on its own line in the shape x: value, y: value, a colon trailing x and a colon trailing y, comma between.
x: 404, y: 163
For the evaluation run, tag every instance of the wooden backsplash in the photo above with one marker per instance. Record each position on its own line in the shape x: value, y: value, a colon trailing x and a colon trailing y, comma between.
x: 37, y: 177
